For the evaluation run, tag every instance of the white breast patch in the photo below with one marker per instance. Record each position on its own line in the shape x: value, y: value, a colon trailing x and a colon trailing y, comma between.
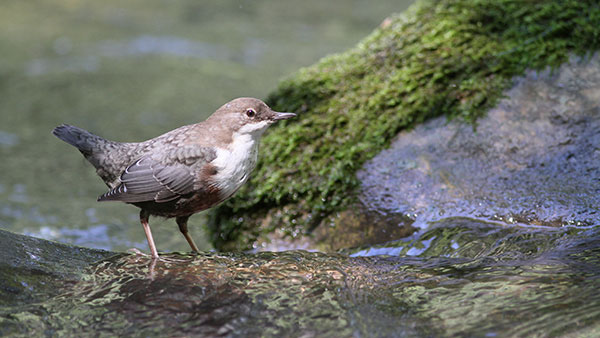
x: 235, y: 163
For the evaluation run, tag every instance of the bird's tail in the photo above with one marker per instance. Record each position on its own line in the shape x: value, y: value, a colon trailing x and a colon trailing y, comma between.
x: 108, y: 157
x: 81, y: 139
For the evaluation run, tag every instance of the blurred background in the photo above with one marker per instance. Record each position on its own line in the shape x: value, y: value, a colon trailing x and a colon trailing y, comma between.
x: 129, y: 71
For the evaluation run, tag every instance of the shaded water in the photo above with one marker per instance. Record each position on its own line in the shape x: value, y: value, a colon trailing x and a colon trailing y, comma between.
x: 131, y: 71
x: 463, y: 277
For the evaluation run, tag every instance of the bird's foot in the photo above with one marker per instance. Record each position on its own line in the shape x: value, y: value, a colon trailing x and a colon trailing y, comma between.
x: 153, y: 261
x: 137, y: 252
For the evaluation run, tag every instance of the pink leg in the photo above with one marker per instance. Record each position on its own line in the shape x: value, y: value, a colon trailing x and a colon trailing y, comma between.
x: 144, y: 216
x: 182, y: 222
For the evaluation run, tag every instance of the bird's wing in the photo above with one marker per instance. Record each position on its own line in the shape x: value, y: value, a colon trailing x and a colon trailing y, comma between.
x: 160, y: 179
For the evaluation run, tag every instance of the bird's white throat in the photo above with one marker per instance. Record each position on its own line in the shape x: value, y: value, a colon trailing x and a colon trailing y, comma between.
x: 235, y: 162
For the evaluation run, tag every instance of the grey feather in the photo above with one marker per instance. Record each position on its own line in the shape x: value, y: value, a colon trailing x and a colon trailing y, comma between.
x: 108, y: 157
x: 77, y: 137
x: 160, y: 180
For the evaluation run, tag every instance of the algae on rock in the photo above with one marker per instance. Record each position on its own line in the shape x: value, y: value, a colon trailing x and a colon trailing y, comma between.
x: 443, y: 57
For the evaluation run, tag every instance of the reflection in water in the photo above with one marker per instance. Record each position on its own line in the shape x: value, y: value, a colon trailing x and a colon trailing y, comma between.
x: 470, y: 278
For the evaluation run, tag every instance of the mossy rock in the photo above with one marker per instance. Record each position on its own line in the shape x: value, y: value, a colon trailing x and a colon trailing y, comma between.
x: 446, y: 57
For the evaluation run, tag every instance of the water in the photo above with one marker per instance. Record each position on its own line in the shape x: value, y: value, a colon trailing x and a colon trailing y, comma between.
x: 130, y: 71
x: 464, y: 278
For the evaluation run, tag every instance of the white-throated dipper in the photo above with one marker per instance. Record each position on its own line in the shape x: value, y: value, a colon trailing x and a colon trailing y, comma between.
x: 184, y: 171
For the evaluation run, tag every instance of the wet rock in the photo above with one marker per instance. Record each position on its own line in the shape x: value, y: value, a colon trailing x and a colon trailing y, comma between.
x: 461, y: 277
x: 534, y: 159
x: 355, y: 227
x: 31, y: 268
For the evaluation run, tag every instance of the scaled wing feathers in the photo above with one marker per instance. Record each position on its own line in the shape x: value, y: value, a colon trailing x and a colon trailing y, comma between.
x: 162, y: 180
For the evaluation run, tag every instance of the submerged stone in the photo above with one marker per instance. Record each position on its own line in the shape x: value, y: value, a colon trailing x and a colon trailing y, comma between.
x: 462, y: 277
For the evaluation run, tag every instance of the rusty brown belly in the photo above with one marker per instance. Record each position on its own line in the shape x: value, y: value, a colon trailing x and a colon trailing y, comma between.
x: 186, y: 205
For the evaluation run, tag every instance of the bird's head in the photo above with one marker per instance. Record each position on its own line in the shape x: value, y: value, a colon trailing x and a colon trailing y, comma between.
x: 248, y: 115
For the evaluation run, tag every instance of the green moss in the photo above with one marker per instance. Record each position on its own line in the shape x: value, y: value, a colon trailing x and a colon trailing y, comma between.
x: 443, y: 57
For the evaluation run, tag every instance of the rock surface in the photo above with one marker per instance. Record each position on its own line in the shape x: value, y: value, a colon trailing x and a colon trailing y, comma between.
x: 534, y: 159
x: 31, y: 269
x: 462, y: 277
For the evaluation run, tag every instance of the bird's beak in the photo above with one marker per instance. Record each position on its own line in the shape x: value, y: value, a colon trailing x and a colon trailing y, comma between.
x: 282, y: 116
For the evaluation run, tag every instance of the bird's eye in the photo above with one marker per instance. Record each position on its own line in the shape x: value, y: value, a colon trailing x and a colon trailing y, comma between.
x: 250, y: 112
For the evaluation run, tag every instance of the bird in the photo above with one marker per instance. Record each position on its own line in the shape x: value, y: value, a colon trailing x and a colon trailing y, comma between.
x: 184, y: 171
